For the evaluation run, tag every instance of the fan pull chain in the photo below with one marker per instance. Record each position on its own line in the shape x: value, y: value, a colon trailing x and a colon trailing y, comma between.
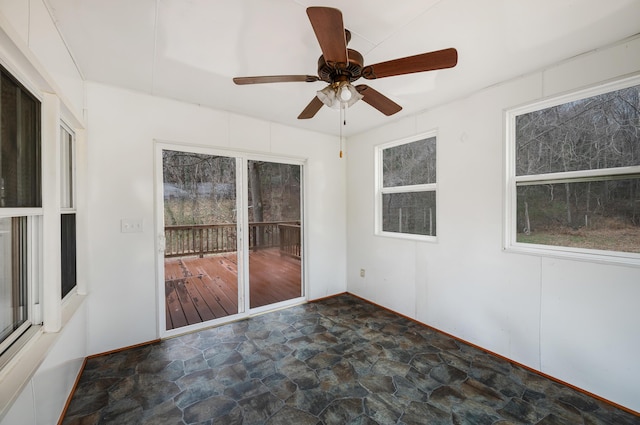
x: 343, y: 121
x: 344, y: 117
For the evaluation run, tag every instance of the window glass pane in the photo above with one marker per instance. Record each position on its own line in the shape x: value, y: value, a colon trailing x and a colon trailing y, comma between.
x: 68, y: 254
x: 66, y: 169
x: 592, y: 133
x: 274, y: 192
x: 413, y: 213
x: 198, y: 188
x: 409, y: 164
x: 601, y: 215
x: 13, y: 275
x: 19, y: 146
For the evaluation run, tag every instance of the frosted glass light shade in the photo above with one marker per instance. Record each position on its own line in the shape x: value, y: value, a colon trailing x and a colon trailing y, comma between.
x: 334, y: 95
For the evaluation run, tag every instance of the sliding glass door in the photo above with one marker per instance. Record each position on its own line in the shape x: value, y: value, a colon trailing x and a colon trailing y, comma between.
x: 217, y: 264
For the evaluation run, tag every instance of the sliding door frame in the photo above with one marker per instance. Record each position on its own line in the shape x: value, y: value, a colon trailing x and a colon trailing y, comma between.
x: 242, y: 159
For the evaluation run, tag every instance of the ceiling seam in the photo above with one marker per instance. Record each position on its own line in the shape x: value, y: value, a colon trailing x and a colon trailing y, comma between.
x: 400, y: 27
x: 154, y: 49
x: 64, y: 41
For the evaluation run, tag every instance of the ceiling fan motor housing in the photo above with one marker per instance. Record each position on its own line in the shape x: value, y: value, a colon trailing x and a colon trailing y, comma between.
x: 350, y: 71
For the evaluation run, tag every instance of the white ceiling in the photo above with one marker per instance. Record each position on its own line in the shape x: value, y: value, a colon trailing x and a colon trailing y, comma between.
x: 190, y: 49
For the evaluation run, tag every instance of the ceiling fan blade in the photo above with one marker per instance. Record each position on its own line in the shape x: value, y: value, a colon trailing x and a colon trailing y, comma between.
x: 379, y: 101
x: 329, y: 29
x: 275, y: 79
x: 440, y: 59
x: 312, y: 108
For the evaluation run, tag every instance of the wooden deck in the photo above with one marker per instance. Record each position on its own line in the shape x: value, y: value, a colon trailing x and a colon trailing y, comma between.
x: 202, y: 289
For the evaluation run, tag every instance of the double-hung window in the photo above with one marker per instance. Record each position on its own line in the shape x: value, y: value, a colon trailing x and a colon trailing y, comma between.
x: 20, y: 209
x: 406, y: 188
x: 573, y: 174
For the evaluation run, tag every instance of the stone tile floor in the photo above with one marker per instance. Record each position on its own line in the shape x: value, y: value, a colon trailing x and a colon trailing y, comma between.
x: 337, y: 361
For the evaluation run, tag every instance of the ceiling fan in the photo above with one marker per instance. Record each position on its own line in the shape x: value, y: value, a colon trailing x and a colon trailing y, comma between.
x: 340, y: 66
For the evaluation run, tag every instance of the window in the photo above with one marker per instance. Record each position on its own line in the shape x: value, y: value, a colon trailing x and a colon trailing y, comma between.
x: 574, y: 173
x: 20, y: 208
x: 406, y: 188
x: 68, y: 212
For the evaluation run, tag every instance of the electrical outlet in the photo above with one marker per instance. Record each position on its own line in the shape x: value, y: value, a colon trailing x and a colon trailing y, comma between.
x: 361, y: 272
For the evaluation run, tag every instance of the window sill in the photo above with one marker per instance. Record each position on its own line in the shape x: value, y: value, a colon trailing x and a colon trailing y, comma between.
x: 408, y: 236
x: 19, y: 370
x: 577, y: 254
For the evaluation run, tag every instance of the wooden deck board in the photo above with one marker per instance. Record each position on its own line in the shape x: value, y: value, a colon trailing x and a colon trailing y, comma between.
x: 201, y: 289
x: 169, y: 323
x: 204, y: 304
x: 188, y: 306
x: 227, y: 303
x: 271, y: 281
x: 176, y: 312
x: 219, y: 278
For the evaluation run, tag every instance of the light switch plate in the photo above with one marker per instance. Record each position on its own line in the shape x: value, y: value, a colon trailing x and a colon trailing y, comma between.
x: 131, y: 225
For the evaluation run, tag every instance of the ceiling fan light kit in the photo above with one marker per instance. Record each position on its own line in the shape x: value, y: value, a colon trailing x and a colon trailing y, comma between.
x: 339, y: 67
x: 339, y: 95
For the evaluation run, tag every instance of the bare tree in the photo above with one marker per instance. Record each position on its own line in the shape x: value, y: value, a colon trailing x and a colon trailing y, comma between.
x: 598, y: 132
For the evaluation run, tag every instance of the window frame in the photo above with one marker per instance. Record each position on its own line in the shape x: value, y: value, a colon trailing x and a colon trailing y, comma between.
x: 512, y: 181
x: 381, y: 190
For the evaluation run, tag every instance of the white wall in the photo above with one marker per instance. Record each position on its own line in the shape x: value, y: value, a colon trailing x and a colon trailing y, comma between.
x: 57, y: 375
x: 122, y: 128
x: 576, y: 321
x: 43, y: 398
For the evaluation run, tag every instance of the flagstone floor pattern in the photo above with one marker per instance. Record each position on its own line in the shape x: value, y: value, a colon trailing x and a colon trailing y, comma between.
x: 337, y: 361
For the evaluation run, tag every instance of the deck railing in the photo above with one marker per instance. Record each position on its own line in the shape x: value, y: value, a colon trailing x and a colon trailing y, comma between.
x: 218, y: 238
x: 290, y: 239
